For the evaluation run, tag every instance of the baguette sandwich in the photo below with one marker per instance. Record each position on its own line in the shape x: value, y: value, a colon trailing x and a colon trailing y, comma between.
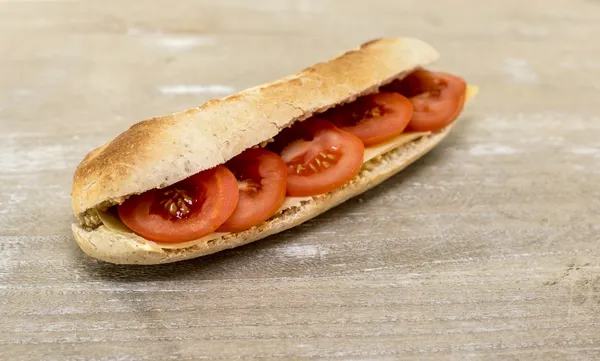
x: 238, y: 169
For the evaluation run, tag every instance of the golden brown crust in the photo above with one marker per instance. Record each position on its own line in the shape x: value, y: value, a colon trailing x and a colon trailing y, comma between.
x: 163, y: 150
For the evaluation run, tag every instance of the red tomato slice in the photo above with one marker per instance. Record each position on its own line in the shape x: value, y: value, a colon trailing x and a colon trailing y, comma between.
x: 183, y: 211
x: 261, y: 177
x: 319, y: 156
x: 374, y: 118
x: 438, y: 98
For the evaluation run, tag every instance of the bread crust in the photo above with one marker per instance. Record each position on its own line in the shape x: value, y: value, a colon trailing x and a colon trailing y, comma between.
x: 121, y: 248
x: 160, y: 151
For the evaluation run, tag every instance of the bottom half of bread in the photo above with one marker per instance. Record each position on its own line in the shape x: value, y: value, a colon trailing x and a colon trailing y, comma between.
x: 123, y: 248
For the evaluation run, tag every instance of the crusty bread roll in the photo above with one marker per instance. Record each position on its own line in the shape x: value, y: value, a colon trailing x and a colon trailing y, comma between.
x: 161, y: 151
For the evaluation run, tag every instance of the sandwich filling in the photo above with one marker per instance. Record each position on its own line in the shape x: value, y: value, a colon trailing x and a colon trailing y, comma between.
x: 308, y: 159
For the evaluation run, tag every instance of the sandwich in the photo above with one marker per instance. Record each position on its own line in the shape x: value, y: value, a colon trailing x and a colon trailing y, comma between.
x: 240, y: 168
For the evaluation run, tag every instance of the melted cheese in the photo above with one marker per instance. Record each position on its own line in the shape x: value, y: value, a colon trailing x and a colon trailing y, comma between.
x: 113, y: 223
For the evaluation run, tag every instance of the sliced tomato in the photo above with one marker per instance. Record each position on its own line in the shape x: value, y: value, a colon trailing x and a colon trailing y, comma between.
x: 374, y: 118
x: 183, y: 211
x: 438, y: 98
x: 319, y: 156
x: 261, y: 177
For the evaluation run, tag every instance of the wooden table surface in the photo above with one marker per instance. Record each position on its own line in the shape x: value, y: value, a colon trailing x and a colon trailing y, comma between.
x: 487, y: 248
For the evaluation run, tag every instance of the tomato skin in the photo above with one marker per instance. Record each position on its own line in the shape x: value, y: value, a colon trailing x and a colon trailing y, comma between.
x: 183, y: 211
x: 319, y: 156
x: 437, y: 97
x: 262, y: 179
x: 374, y: 118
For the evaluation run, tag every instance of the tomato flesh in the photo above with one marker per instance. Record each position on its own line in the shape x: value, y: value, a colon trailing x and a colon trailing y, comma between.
x: 437, y: 98
x: 261, y: 178
x: 319, y: 156
x: 310, y: 158
x: 183, y: 211
x: 374, y: 118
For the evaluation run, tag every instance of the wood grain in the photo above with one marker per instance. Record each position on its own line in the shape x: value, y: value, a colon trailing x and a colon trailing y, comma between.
x: 487, y: 248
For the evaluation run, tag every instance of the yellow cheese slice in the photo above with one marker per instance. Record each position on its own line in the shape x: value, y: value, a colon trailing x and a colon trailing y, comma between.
x: 472, y: 90
x: 112, y: 221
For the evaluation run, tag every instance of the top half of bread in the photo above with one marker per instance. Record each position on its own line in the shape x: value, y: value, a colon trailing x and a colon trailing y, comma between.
x: 160, y: 151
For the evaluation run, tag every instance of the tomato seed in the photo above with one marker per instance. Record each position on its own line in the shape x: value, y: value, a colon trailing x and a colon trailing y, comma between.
x: 249, y: 186
x: 173, y: 209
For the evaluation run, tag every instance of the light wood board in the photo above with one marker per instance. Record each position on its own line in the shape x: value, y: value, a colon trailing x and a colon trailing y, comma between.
x: 487, y: 248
